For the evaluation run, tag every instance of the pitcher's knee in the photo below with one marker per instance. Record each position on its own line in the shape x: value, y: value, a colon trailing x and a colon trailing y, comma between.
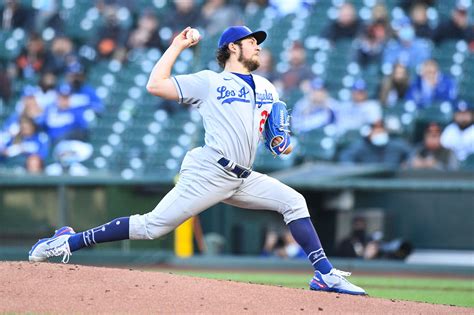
x: 296, y: 209
x: 148, y: 227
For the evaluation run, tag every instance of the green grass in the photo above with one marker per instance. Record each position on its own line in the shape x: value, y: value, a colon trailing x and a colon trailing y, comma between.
x: 432, y: 290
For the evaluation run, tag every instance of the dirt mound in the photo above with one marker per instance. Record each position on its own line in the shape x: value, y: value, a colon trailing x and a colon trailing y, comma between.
x: 57, y: 288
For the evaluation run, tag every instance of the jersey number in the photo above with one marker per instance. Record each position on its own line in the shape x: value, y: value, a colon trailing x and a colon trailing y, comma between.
x: 264, y: 116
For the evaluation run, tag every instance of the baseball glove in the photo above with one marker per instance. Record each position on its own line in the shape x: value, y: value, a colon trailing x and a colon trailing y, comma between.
x: 277, y: 129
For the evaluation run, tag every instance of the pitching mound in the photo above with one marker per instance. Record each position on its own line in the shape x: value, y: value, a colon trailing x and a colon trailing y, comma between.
x: 57, y: 288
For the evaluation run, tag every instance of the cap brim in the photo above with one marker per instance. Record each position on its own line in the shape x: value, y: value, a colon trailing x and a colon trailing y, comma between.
x: 260, y: 36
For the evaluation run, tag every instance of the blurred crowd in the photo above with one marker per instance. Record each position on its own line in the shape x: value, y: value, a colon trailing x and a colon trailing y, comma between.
x: 44, y: 87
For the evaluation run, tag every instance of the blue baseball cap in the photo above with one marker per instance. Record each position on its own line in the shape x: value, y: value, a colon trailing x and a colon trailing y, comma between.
x: 401, y: 22
x: 462, y: 106
x: 235, y: 33
x: 75, y: 68
x: 29, y: 90
x: 317, y: 84
x: 64, y: 89
x: 359, y: 85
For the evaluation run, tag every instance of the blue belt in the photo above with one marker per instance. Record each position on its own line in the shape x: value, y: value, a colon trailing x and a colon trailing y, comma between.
x: 234, y: 168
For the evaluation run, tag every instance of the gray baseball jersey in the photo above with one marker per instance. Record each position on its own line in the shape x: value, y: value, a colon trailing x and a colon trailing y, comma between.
x: 233, y: 116
x: 234, y: 119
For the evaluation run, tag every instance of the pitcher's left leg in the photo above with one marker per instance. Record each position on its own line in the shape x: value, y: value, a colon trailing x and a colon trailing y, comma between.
x: 260, y: 191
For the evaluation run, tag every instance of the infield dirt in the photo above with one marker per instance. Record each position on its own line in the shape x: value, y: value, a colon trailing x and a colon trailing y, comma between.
x: 65, y: 289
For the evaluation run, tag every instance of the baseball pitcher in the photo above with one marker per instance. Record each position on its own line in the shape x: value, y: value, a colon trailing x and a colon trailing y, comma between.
x: 239, y: 110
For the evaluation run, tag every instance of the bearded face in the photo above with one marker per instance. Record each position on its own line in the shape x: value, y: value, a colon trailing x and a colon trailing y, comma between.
x: 251, y: 63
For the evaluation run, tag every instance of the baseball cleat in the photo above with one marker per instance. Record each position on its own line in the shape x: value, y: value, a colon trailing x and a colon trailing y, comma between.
x: 334, y: 281
x: 57, y: 245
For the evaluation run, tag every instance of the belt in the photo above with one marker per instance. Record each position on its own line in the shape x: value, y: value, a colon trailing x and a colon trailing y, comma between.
x: 234, y: 168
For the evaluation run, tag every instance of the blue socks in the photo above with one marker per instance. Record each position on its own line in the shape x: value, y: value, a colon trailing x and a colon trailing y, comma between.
x: 118, y: 229
x: 115, y: 230
x: 305, y: 235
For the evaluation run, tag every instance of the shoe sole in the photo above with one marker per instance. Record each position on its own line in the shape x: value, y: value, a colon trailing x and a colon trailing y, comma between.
x: 335, y: 290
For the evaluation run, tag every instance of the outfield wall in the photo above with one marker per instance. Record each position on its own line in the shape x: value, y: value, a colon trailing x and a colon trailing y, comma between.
x: 432, y: 211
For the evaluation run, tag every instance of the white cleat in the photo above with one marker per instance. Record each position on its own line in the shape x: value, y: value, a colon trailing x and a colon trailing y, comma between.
x: 334, y: 281
x: 57, y: 245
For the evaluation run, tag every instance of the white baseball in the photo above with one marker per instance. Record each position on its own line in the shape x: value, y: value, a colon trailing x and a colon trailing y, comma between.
x: 193, y: 34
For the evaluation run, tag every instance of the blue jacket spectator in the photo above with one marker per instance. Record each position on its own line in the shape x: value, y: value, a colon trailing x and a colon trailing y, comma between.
x: 377, y: 148
x: 61, y: 121
x: 83, y: 95
x: 432, y: 86
x: 27, y: 106
x: 407, y: 49
x: 314, y: 110
x: 28, y: 148
x: 359, y: 111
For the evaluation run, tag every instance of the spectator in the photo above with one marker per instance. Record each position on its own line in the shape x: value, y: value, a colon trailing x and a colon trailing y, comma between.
x: 406, y: 5
x: 46, y: 93
x: 83, y: 94
x: 267, y: 68
x: 432, y: 86
x: 28, y: 148
x: 14, y: 15
x: 314, y: 110
x: 395, y: 86
x: 47, y: 15
x: 378, y: 147
x: 359, y: 244
x: 27, y: 106
x: 419, y: 18
x: 370, y: 44
x: 457, y: 27
x: 218, y: 14
x: 282, y: 245
x: 68, y: 155
x: 430, y: 154
x: 406, y: 48
x: 299, y: 71
x: 111, y: 36
x: 359, y: 111
x: 459, y: 135
x: 32, y: 59
x: 346, y: 26
x: 380, y: 15
x: 183, y: 14
x: 62, y: 121
x: 146, y: 34
x: 61, y: 56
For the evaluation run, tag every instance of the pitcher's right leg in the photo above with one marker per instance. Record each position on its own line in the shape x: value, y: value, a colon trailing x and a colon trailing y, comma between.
x: 175, y: 208
x: 198, y: 188
x: 201, y: 185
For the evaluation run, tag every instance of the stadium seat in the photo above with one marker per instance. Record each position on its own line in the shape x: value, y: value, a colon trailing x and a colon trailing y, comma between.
x: 316, y: 145
x: 468, y: 163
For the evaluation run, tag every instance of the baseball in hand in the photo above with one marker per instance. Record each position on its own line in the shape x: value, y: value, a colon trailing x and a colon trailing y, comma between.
x: 193, y: 34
